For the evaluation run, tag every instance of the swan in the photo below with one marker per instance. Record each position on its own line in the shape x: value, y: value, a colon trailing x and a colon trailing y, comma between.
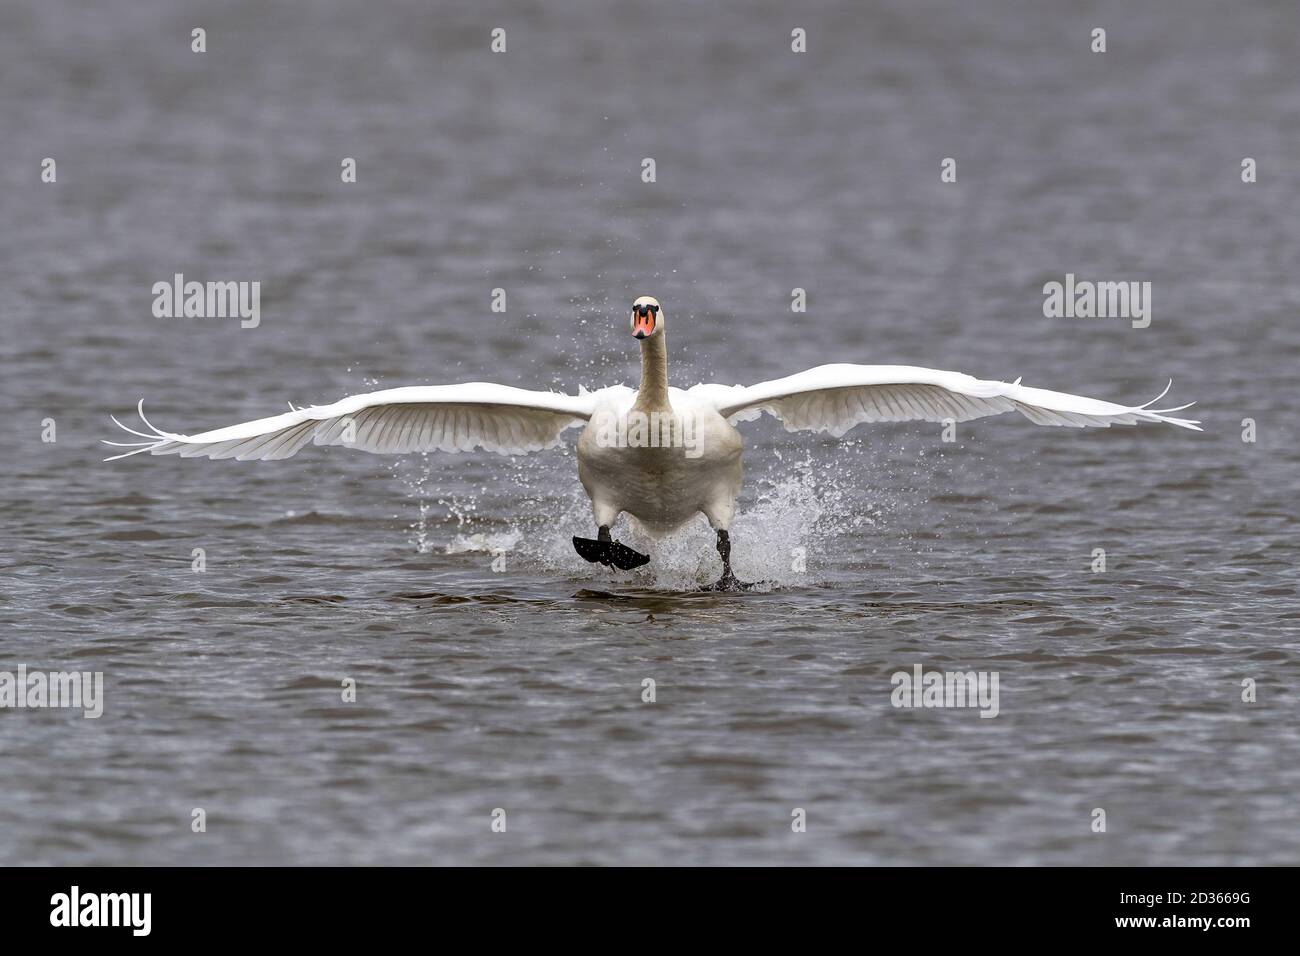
x: 657, y: 453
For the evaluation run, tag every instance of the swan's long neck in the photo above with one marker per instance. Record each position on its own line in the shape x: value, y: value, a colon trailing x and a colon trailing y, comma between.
x: 653, y: 396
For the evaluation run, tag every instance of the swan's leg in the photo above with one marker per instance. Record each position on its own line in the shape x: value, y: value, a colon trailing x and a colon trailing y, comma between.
x: 724, y: 552
x: 720, y: 509
x: 728, y: 581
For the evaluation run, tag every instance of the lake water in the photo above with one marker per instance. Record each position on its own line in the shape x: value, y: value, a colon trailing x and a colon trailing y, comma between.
x: 520, y: 687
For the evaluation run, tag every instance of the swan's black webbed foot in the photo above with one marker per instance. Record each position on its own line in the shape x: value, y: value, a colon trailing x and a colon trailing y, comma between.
x: 625, y: 558
x: 605, y: 550
x: 728, y: 582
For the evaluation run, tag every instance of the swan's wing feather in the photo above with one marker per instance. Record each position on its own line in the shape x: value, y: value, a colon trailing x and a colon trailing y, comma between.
x: 498, y: 418
x: 835, y: 398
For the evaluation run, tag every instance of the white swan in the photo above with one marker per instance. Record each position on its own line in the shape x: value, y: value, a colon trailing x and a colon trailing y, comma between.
x: 659, y: 454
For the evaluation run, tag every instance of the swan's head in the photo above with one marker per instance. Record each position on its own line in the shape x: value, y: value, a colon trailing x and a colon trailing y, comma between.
x: 647, y: 317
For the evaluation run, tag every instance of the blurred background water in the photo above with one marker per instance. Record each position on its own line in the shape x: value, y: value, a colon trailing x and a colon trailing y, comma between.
x: 520, y: 689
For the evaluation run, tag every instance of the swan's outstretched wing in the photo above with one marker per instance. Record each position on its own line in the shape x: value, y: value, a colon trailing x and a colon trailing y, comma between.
x: 499, y: 418
x: 834, y: 398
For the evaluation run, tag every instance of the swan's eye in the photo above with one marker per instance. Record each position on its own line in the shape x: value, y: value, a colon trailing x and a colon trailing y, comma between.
x: 654, y: 309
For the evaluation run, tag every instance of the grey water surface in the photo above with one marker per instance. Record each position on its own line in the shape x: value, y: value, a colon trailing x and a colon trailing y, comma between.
x: 519, y: 686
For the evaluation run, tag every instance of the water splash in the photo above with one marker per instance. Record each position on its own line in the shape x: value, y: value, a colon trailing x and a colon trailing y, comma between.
x: 791, y: 528
x: 502, y: 542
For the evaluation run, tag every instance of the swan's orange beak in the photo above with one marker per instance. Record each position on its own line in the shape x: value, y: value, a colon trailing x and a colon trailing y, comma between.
x: 643, y: 323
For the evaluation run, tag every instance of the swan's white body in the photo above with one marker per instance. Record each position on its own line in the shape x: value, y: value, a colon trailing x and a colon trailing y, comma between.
x: 662, y: 487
